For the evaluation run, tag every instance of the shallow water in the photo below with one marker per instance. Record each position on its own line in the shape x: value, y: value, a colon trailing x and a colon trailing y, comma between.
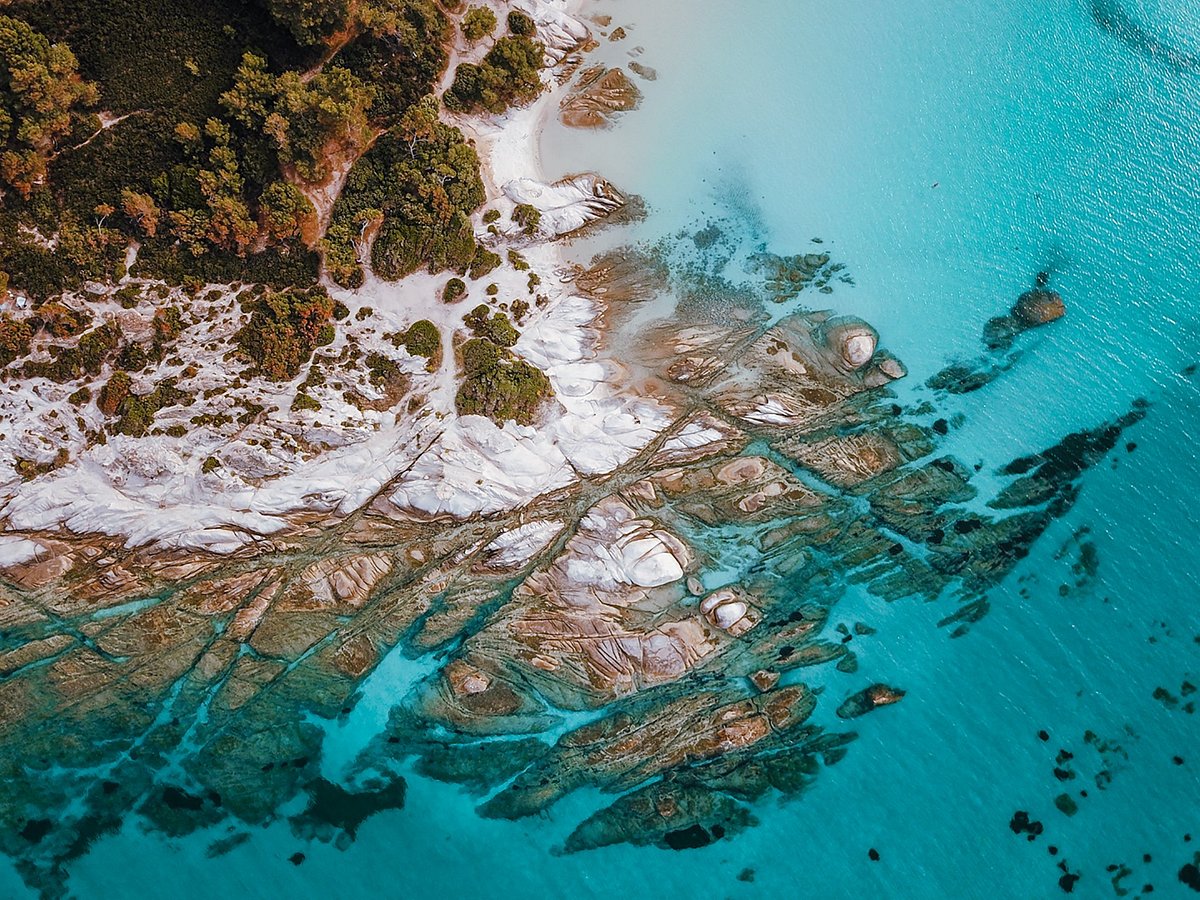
x: 1054, y: 143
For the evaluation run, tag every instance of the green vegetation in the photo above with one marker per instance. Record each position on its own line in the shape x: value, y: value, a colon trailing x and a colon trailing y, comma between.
x: 87, y: 357
x: 41, y: 95
x: 416, y: 188
x: 495, y: 328
x: 216, y: 129
x: 382, y: 369
x: 454, y: 290
x: 499, y: 385
x: 304, y: 401
x: 520, y: 23
x: 509, y: 74
x: 15, y: 335
x: 422, y: 339
x: 478, y: 23
x: 301, y: 117
x: 114, y: 392
x: 136, y: 412
x: 483, y: 263
x: 311, y: 21
x: 284, y: 329
x: 528, y: 217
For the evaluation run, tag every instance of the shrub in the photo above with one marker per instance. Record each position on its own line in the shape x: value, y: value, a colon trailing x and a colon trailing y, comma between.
x: 500, y: 385
x: 382, y: 369
x: 285, y: 328
x: 168, y: 325
x: 114, y: 392
x: 422, y: 339
x: 304, y: 401
x: 521, y: 24
x: 478, y: 23
x: 454, y: 290
x: 495, y: 328
x: 529, y: 217
x: 483, y: 263
x: 492, y: 215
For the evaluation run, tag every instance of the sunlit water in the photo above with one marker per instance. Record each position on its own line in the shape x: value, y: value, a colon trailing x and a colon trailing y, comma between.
x: 945, y: 152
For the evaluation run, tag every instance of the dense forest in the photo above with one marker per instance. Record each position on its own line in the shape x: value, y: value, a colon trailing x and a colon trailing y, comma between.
x: 228, y: 112
x: 210, y: 133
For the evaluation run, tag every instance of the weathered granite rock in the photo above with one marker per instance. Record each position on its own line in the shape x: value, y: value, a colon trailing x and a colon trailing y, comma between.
x: 566, y: 205
x: 666, y: 814
x: 788, y: 458
x: 1034, y: 308
x: 1040, y: 306
x: 868, y: 699
x: 598, y: 96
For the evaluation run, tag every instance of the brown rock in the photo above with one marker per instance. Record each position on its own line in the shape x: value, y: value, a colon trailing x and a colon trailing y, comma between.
x: 765, y: 679
x: 869, y: 699
x: 1038, y: 307
x: 600, y: 94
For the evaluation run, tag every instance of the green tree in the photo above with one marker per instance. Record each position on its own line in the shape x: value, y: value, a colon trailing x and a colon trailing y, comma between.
x: 478, y: 23
x: 527, y: 216
x: 509, y: 74
x: 500, y: 385
x: 41, y: 94
x: 423, y: 193
x: 142, y: 211
x: 301, y: 117
x: 520, y: 23
x: 284, y: 212
x: 311, y: 21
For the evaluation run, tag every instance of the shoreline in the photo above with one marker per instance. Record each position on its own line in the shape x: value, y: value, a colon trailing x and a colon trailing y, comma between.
x: 153, y: 491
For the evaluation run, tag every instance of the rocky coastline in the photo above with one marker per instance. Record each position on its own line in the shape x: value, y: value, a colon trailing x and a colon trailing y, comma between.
x: 576, y: 569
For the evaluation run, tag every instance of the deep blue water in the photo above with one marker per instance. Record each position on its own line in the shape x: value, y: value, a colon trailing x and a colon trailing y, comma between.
x: 1054, y: 143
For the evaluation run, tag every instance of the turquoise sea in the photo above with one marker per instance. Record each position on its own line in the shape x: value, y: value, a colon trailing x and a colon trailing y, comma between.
x: 945, y: 152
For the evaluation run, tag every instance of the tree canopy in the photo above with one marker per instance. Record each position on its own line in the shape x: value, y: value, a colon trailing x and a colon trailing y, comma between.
x: 509, y: 74
x: 41, y: 95
x: 417, y: 187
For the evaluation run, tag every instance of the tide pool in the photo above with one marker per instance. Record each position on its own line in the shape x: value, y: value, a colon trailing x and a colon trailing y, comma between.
x: 945, y: 153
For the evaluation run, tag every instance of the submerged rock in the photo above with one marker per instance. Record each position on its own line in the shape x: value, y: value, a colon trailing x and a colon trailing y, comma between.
x: 868, y: 699
x: 1039, y: 307
x: 669, y: 815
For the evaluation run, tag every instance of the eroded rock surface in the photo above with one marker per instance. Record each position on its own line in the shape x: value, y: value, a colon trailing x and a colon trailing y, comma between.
x: 598, y: 96
x: 675, y: 603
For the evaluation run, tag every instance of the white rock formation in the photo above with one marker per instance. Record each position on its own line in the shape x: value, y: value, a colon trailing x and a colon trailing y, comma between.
x: 559, y: 31
x: 517, y: 547
x: 566, y: 205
